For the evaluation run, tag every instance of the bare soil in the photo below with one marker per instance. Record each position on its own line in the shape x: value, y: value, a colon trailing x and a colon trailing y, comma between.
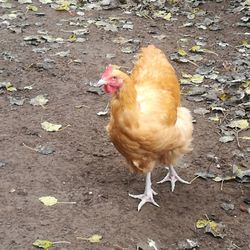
x: 85, y: 167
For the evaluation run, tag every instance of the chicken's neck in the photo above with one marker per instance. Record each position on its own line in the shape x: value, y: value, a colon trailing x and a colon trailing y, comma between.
x: 127, y: 94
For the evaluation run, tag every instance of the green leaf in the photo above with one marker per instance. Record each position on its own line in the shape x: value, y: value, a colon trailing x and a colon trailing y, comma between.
x: 45, y: 244
x: 48, y: 200
x: 50, y: 127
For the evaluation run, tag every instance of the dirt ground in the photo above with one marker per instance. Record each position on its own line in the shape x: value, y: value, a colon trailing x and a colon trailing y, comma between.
x: 85, y: 168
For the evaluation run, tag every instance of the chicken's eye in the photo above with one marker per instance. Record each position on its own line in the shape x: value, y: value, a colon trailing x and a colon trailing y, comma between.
x: 114, y: 78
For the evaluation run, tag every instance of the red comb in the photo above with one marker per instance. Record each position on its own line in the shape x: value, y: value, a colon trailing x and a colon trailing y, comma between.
x: 107, y: 71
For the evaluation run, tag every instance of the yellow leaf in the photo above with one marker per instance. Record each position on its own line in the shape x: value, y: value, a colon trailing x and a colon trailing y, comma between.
x: 245, y: 137
x: 72, y: 38
x: 241, y: 124
x: 214, y: 118
x: 45, y: 244
x: 168, y: 16
x: 163, y: 14
x: 196, y: 48
x: 63, y: 6
x: 247, y: 90
x: 224, y: 97
x: 201, y: 223
x: 197, y: 78
x: 245, y: 84
x: 32, y: 8
x: 10, y: 87
x: 48, y: 200
x: 50, y: 127
x: 182, y: 52
x: 38, y: 100
x: 245, y: 43
x: 95, y: 238
x: 184, y: 75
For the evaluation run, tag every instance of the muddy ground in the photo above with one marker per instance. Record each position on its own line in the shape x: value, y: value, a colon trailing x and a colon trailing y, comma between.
x: 85, y: 168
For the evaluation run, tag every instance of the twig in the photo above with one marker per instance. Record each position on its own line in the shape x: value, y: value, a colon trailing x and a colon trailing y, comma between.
x: 26, y: 146
x: 193, y: 63
x: 64, y: 127
x: 66, y: 202
x: 221, y: 186
x: 61, y: 242
x: 196, y: 177
x: 237, y: 138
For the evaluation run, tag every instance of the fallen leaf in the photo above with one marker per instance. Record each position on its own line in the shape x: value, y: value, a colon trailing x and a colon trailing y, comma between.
x: 201, y: 111
x: 227, y: 206
x: 15, y: 101
x: 205, y: 175
x: 39, y: 100
x: 239, y: 172
x: 9, y: 86
x: 182, y: 52
x: 24, y: 1
x: 64, y: 6
x: 152, y: 244
x: 226, y: 138
x: 45, y: 244
x: 216, y: 229
x: 72, y: 38
x: 241, y: 124
x: 95, y: 238
x: 32, y: 8
x: 44, y: 150
x: 30, y: 87
x: 197, y: 78
x: 50, y: 127
x: 48, y: 200
x: 45, y: 1
x: 224, y: 178
x: 163, y: 14
x: 188, y: 244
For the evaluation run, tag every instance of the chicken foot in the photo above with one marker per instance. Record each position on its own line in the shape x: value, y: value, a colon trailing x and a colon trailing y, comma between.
x: 173, y: 177
x: 147, y: 196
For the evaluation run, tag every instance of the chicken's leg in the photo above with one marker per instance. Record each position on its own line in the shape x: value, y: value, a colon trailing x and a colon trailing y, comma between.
x: 148, y: 193
x: 172, y: 176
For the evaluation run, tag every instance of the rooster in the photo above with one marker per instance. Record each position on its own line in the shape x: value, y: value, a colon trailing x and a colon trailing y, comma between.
x: 147, y: 124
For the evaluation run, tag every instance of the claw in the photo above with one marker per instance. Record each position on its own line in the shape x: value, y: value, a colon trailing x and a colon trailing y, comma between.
x: 173, y: 177
x: 147, y: 196
x: 144, y: 199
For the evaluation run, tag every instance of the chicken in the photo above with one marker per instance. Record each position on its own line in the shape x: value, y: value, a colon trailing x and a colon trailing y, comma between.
x: 147, y: 124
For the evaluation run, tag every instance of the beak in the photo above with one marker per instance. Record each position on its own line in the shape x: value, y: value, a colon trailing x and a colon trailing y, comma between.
x: 100, y: 83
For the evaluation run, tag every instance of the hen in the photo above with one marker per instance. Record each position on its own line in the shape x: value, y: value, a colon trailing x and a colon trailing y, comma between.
x: 147, y: 124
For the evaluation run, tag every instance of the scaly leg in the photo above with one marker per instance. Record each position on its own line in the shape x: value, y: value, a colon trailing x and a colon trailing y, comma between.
x: 147, y: 196
x: 172, y: 176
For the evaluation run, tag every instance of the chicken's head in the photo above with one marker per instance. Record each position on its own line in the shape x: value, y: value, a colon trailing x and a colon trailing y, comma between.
x: 110, y: 80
